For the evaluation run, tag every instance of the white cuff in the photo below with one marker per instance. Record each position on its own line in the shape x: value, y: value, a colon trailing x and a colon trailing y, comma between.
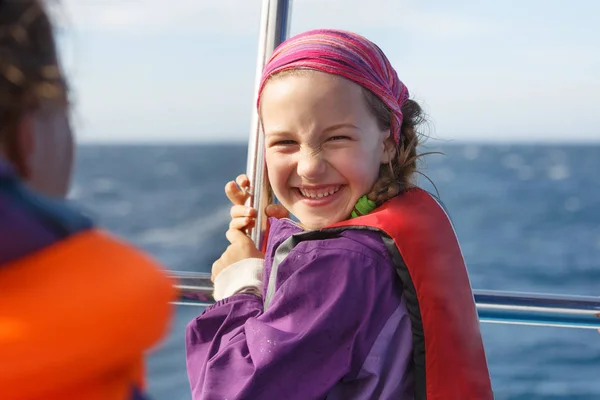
x: 243, y: 276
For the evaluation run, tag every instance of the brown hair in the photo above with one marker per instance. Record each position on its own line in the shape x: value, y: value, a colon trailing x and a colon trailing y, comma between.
x: 399, y: 174
x: 30, y: 74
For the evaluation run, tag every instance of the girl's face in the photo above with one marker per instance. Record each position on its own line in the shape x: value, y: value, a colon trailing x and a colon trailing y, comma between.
x: 323, y: 145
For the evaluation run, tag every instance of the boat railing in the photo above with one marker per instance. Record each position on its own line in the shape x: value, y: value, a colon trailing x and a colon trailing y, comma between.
x: 195, y: 289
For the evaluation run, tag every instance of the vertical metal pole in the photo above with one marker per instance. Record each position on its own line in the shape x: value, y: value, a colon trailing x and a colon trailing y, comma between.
x: 274, y: 29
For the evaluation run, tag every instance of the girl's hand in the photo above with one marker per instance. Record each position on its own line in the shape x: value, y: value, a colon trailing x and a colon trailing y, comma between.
x: 241, y: 247
x: 243, y: 217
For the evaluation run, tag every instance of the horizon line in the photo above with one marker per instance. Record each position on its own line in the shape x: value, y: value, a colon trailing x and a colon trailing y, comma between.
x: 428, y: 141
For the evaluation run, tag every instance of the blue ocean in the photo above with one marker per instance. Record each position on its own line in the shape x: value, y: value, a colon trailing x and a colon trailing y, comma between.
x: 527, y: 216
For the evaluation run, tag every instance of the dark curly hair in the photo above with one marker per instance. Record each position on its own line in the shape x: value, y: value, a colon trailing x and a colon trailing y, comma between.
x: 400, y: 173
x: 30, y: 74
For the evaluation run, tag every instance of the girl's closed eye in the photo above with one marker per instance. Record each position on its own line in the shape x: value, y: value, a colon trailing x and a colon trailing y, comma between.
x: 339, y: 137
x: 286, y: 142
x: 280, y: 142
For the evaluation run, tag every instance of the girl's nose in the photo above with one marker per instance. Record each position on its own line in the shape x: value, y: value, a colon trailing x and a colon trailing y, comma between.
x: 311, y: 164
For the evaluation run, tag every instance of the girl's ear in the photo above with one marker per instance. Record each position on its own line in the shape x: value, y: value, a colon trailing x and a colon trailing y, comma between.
x: 389, y: 150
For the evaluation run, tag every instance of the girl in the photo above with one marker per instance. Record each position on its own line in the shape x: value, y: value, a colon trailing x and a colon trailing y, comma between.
x: 367, y: 297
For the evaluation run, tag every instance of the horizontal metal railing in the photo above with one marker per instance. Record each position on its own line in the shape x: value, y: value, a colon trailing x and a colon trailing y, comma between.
x: 195, y: 289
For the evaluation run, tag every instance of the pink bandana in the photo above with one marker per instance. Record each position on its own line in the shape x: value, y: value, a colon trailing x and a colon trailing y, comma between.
x: 345, y: 54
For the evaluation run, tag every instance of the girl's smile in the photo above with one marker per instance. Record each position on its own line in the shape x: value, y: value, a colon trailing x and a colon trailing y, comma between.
x: 320, y: 196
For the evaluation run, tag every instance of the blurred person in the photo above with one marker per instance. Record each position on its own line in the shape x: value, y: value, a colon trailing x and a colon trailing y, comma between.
x: 78, y: 306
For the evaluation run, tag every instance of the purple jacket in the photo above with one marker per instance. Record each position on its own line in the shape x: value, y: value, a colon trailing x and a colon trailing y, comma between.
x: 336, y: 325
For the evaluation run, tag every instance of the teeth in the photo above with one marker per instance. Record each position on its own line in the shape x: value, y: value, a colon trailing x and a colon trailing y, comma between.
x: 318, y: 195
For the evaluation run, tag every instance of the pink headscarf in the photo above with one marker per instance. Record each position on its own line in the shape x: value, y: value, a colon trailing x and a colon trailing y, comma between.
x: 345, y: 54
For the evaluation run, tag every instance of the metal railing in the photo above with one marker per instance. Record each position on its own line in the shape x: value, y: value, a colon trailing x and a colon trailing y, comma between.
x: 195, y: 289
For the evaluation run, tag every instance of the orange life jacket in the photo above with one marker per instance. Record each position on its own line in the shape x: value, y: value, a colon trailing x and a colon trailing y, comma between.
x: 76, y: 318
x: 449, y: 357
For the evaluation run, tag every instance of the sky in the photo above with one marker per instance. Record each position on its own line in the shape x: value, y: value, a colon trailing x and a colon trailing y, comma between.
x: 184, y: 71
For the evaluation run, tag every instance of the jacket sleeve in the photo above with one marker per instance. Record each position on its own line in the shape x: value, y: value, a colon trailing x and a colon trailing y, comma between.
x: 300, y: 347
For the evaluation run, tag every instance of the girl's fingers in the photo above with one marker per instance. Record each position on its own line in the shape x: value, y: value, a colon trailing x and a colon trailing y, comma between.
x: 276, y: 211
x: 242, y: 223
x: 235, y: 194
x: 243, y: 182
x: 238, y: 211
x: 238, y: 191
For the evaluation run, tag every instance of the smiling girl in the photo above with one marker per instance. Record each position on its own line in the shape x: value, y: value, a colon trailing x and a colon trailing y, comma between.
x: 367, y: 297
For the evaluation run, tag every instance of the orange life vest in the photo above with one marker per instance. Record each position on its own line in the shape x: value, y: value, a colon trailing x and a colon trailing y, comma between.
x: 76, y: 318
x: 449, y: 357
